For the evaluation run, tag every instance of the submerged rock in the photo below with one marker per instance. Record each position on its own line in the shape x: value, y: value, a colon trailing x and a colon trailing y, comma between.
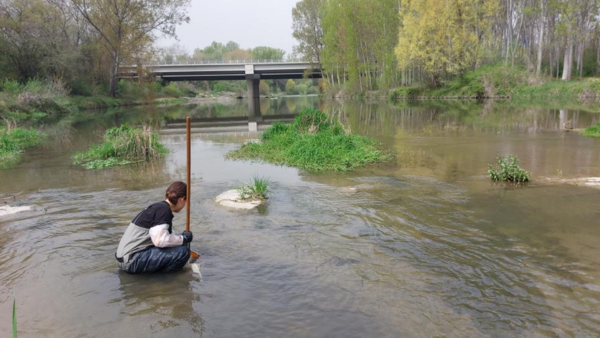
x: 232, y: 199
x: 8, y: 210
x: 361, y: 187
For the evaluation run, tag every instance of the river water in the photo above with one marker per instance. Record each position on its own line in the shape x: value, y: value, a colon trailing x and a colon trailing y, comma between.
x: 424, y: 246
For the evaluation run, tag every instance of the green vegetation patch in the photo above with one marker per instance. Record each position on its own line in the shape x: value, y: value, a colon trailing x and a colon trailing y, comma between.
x: 313, y: 142
x: 257, y: 189
x: 593, y: 131
x: 508, y: 170
x: 121, y: 146
x: 15, y: 141
x: 501, y: 81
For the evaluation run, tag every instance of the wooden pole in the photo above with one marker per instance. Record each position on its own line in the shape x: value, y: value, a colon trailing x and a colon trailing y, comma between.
x: 188, y: 145
x: 188, y: 142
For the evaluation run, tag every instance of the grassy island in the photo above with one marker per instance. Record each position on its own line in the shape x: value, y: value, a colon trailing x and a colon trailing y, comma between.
x: 121, y: 146
x: 508, y: 170
x: 313, y: 142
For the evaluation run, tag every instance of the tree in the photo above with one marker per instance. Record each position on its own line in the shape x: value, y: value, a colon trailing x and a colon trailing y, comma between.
x: 38, y: 38
x: 174, y: 53
x: 214, y: 51
x: 238, y: 54
x: 307, y: 29
x: 290, y: 86
x: 263, y: 87
x: 444, y: 37
x: 359, y: 38
x: 231, y: 46
x: 267, y: 53
x: 127, y: 27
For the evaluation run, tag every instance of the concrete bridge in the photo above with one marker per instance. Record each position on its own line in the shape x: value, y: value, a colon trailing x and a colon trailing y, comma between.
x: 252, y: 71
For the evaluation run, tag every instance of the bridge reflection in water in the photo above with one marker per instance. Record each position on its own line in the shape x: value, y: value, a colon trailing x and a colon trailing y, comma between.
x: 252, y: 71
x: 253, y: 123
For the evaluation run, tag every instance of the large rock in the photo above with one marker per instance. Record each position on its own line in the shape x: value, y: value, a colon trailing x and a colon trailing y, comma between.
x: 232, y: 199
x: 8, y: 210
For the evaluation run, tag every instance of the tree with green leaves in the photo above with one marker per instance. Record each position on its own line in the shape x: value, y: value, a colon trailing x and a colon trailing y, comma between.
x: 267, y: 53
x: 444, y: 38
x: 359, y: 38
x: 307, y: 29
x: 290, y: 86
x: 127, y: 27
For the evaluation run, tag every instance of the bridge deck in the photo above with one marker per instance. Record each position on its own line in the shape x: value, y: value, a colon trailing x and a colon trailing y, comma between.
x: 232, y: 70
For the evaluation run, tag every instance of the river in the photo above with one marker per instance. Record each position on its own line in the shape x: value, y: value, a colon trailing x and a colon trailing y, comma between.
x: 425, y: 246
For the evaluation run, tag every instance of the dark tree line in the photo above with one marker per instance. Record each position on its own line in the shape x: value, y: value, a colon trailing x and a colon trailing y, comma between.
x: 82, y: 42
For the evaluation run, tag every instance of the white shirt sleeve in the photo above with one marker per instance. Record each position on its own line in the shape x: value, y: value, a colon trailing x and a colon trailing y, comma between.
x: 161, y: 238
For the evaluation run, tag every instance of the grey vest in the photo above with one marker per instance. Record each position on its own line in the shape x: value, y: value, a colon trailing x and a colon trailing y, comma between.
x: 135, y: 239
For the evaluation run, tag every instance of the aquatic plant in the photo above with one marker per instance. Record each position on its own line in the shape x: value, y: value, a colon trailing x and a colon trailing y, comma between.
x: 508, y: 170
x: 257, y: 188
x: 121, y: 146
x: 14, y: 318
x: 313, y: 142
x: 16, y: 140
x: 593, y: 131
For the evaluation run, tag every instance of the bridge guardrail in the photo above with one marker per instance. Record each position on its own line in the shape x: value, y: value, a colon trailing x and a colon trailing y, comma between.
x: 219, y: 62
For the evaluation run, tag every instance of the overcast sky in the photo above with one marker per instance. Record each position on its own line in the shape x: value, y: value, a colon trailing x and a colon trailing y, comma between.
x: 250, y: 23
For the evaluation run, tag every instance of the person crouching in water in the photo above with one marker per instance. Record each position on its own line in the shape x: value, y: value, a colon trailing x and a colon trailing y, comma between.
x: 148, y: 244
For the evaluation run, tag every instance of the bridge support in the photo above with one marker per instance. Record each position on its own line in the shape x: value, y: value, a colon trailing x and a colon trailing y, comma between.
x: 253, y: 85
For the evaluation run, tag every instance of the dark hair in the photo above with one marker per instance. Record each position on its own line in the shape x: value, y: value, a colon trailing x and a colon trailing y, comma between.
x: 175, y: 191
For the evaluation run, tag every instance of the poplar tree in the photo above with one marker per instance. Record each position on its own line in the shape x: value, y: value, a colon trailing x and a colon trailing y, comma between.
x: 307, y: 29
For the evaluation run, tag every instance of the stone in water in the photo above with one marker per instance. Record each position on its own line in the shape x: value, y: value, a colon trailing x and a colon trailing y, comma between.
x: 8, y: 210
x: 232, y: 199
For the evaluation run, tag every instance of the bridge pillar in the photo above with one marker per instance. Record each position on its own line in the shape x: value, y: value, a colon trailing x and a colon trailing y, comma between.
x: 253, y: 85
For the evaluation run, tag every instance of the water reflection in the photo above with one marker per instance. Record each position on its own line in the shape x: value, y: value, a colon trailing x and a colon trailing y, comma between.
x: 165, y: 303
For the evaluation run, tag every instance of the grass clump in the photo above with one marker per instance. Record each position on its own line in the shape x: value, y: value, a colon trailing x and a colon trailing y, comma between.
x: 312, y: 142
x: 593, y: 131
x: 257, y: 189
x: 121, y: 146
x: 16, y: 140
x: 508, y: 170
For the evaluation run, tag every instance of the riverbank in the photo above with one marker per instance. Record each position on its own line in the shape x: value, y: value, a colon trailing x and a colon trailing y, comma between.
x: 507, y: 83
x: 14, y: 141
x: 39, y: 100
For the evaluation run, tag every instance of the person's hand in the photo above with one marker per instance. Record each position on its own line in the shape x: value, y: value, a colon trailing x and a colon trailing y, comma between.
x: 187, y: 237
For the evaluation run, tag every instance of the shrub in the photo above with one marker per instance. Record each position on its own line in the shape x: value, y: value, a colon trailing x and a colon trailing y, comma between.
x: 128, y: 89
x: 187, y: 89
x: 508, y: 170
x: 313, y: 90
x: 302, y: 89
x: 122, y: 145
x: 82, y: 88
x: 312, y: 142
x: 12, y: 87
x: 219, y: 87
x: 15, y: 141
x: 172, y: 91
